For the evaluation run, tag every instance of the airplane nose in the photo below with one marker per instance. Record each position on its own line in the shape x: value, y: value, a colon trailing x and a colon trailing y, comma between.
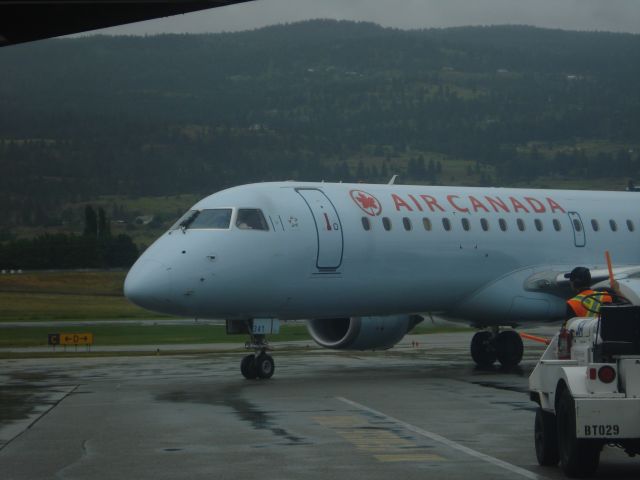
x: 148, y: 285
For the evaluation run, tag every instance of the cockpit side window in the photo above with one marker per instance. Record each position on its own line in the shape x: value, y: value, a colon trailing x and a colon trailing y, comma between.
x: 251, y: 219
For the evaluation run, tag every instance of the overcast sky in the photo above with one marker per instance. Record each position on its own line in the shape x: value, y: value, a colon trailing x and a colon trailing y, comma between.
x: 611, y: 15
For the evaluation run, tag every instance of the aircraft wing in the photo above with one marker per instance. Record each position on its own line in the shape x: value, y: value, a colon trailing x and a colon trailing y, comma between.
x: 27, y: 20
x: 553, y: 281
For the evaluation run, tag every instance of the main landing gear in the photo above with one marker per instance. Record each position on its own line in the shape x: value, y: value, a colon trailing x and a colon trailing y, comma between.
x: 260, y: 364
x: 491, y: 345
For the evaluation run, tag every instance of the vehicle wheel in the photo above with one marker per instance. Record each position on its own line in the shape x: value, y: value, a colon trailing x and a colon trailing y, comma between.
x: 509, y: 348
x: 483, y: 349
x: 578, y: 458
x: 248, y: 367
x: 265, y: 366
x: 546, y: 438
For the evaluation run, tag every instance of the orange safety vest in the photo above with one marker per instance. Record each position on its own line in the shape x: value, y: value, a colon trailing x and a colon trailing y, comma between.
x: 583, y: 306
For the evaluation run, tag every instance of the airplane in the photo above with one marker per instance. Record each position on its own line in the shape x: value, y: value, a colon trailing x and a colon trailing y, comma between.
x: 364, y: 263
x: 28, y: 20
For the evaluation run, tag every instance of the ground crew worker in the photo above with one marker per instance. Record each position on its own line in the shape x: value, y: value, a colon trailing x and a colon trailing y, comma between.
x: 587, y: 302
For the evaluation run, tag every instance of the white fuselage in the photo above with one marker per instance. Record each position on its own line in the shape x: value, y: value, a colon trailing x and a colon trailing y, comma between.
x: 454, y: 250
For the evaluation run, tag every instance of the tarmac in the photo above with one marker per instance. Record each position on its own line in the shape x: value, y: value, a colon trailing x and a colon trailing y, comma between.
x: 415, y: 411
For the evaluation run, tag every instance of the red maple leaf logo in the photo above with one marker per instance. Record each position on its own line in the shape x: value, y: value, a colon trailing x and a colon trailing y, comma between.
x: 367, y: 202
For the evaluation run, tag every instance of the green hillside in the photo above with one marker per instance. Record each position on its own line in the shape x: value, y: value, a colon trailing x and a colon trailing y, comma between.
x: 144, y: 125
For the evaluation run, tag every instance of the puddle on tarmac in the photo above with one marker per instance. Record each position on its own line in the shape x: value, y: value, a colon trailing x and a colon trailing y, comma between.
x: 18, y: 402
x: 243, y: 409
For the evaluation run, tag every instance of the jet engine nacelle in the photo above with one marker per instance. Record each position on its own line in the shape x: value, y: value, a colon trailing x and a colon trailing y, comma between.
x: 361, y: 333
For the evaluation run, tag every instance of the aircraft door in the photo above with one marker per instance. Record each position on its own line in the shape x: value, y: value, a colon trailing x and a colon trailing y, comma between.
x: 579, y: 237
x: 328, y: 228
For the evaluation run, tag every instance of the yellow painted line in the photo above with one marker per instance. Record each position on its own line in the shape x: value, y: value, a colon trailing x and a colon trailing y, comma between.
x: 384, y: 445
x: 409, y: 457
x: 340, y: 421
x: 445, y: 441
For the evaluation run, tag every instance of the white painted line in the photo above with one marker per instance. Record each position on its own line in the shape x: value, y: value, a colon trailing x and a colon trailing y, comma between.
x: 449, y: 443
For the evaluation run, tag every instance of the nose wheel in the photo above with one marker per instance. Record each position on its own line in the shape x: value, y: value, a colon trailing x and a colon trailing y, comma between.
x: 260, y: 364
x: 257, y: 366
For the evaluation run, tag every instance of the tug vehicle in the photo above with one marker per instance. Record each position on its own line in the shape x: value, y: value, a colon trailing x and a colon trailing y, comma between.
x: 587, y: 387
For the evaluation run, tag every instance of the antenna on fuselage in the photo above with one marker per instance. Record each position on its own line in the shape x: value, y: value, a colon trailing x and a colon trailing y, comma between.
x: 393, y: 180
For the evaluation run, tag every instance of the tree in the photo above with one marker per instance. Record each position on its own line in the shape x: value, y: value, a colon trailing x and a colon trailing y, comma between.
x: 90, y: 222
x: 104, y: 226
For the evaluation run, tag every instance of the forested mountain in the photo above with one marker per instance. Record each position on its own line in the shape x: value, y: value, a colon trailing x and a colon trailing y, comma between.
x: 314, y: 100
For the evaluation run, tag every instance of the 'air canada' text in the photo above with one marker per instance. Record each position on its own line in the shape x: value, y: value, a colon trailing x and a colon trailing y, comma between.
x: 475, y: 204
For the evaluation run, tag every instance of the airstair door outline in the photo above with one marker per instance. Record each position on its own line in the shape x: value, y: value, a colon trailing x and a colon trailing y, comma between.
x: 328, y: 228
x: 579, y: 237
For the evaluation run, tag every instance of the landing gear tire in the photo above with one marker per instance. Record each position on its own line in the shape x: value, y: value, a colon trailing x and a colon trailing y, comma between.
x: 546, y: 438
x: 248, y: 367
x: 578, y: 458
x: 483, y: 350
x: 265, y: 366
x: 509, y: 348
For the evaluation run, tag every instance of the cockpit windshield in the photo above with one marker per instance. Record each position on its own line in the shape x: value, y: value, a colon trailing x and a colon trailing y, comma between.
x: 251, y: 219
x: 219, y: 218
x: 185, y: 220
x: 214, y: 218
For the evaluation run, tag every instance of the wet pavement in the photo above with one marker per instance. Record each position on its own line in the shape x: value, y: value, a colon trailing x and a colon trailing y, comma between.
x: 409, y: 412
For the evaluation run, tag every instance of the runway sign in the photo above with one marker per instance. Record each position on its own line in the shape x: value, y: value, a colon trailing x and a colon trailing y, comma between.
x: 76, y: 339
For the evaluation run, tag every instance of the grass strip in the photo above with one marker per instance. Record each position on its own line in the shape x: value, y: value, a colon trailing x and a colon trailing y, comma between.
x: 46, y: 306
x: 109, y: 335
x: 159, y: 334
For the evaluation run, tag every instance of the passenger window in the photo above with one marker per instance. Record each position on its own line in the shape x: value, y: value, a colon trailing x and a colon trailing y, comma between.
x: 407, y: 223
x: 630, y: 226
x: 503, y: 224
x: 426, y: 223
x: 446, y: 223
x: 465, y: 224
x: 520, y: 223
x: 577, y: 226
x: 484, y: 224
x: 538, y: 224
x: 386, y: 223
x: 556, y: 225
x: 251, y: 219
x: 613, y: 225
x: 366, y: 224
x: 595, y: 225
x: 212, y: 218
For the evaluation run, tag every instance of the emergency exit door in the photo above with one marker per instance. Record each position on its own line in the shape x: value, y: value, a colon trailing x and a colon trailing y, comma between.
x: 579, y: 237
x: 328, y: 228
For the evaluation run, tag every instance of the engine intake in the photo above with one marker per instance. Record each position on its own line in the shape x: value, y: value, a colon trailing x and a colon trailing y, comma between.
x: 361, y: 333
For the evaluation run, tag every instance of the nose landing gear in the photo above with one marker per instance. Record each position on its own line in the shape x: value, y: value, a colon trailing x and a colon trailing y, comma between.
x: 260, y: 364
